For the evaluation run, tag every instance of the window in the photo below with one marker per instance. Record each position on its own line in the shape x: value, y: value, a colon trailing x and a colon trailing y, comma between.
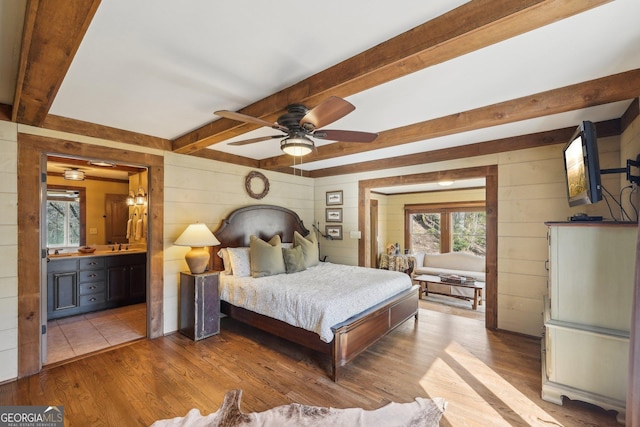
x: 425, y: 232
x: 64, y: 218
x: 469, y: 232
x: 440, y: 228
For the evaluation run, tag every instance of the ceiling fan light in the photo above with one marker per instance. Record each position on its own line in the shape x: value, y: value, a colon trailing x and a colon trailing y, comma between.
x: 74, y: 175
x: 297, y: 145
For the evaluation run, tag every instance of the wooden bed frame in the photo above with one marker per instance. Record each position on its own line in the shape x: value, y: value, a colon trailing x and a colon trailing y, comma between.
x: 352, y: 336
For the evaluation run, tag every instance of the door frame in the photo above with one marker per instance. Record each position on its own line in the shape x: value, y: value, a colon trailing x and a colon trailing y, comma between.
x: 490, y: 174
x: 373, y: 247
x: 31, y: 149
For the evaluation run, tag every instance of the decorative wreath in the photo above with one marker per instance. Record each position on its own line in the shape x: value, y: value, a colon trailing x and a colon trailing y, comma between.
x: 261, y: 177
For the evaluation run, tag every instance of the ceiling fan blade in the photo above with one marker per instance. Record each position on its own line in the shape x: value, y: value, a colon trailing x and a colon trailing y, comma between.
x: 249, y: 119
x: 345, y: 135
x: 258, y: 139
x: 328, y: 111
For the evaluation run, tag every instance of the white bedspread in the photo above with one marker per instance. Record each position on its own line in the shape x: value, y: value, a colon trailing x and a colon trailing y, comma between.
x: 317, y: 298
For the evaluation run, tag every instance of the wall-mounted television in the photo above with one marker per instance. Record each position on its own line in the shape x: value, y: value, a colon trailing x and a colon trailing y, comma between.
x: 582, y: 166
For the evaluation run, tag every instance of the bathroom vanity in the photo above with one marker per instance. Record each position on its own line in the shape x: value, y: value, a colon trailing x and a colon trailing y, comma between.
x: 82, y: 283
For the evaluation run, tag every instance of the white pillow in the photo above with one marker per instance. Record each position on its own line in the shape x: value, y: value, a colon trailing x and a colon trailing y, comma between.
x: 226, y: 262
x: 240, y: 262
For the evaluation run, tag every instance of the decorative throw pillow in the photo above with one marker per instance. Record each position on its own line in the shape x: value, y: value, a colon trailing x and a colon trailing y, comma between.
x: 309, y: 248
x: 226, y: 262
x: 240, y: 264
x: 266, y: 257
x: 293, y: 259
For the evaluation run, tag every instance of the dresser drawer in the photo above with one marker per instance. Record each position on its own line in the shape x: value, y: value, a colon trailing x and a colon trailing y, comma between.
x: 92, y: 276
x: 86, y: 300
x: 92, y: 263
x: 92, y: 288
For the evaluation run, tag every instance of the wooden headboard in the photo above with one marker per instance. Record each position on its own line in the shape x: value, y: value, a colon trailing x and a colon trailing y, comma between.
x: 264, y: 221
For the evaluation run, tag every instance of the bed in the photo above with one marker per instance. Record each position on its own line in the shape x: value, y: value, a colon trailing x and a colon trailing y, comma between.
x: 351, y: 336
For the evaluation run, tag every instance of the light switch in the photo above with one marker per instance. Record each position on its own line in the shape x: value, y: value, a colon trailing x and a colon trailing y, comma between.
x: 355, y: 234
x: 93, y: 231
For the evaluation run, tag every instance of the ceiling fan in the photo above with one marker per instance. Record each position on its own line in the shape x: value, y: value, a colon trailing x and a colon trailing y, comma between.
x: 299, y: 123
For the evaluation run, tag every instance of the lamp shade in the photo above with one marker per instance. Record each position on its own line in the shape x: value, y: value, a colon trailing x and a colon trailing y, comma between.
x: 197, y: 236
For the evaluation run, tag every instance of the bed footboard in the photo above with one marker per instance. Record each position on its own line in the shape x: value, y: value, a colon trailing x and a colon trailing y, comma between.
x: 355, y: 335
x: 351, y: 337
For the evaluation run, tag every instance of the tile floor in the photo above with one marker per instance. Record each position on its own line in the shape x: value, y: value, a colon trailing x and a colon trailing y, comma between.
x: 78, y: 335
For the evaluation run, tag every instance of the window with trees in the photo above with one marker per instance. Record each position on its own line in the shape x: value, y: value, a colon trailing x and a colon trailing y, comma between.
x: 65, y: 217
x: 452, y: 227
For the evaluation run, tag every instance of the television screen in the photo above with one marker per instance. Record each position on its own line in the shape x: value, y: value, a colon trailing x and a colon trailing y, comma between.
x: 582, y: 166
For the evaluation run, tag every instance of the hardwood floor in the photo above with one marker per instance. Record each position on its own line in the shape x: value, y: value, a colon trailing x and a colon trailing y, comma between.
x: 488, y: 378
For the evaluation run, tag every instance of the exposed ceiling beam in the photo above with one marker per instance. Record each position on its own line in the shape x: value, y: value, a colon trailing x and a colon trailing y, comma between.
x: 630, y: 115
x: 84, y: 163
x: 470, y: 27
x: 618, y: 87
x: 227, y: 158
x: 5, y: 112
x: 558, y: 136
x: 79, y: 127
x: 53, y: 30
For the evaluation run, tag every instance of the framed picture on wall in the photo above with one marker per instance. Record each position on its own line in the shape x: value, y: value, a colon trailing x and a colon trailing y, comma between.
x: 333, y: 214
x: 334, y: 197
x: 334, y: 231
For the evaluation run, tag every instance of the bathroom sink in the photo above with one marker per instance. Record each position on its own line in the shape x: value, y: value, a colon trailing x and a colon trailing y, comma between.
x: 62, y: 255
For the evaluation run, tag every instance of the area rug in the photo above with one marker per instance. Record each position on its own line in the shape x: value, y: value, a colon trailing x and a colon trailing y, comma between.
x: 422, y: 412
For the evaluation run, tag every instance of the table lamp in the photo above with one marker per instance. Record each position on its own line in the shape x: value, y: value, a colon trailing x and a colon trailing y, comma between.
x: 197, y: 236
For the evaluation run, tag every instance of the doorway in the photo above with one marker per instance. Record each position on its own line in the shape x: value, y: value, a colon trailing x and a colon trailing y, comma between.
x: 490, y: 174
x: 374, y: 232
x: 31, y: 149
x: 116, y: 218
x: 93, y: 301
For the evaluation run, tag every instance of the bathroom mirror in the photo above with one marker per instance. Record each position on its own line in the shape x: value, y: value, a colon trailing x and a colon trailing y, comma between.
x: 87, y: 202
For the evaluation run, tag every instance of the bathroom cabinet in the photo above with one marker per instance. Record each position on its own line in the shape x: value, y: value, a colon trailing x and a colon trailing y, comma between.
x: 82, y: 284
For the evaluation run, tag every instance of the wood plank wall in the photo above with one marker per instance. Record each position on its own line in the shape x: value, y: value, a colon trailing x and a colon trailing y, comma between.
x: 8, y: 251
x: 206, y: 191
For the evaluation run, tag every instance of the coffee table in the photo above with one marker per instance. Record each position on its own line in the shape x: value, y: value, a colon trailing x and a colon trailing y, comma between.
x: 424, y: 280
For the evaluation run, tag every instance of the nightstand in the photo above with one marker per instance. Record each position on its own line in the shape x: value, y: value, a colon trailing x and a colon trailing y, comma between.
x: 199, y: 305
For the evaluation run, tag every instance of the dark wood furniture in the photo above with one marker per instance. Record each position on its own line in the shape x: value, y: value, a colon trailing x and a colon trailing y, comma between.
x: 199, y: 305
x: 351, y: 337
x: 86, y: 283
x: 126, y: 278
x: 477, y: 287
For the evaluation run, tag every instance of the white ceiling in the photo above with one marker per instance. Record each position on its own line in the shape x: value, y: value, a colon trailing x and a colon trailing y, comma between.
x: 161, y: 67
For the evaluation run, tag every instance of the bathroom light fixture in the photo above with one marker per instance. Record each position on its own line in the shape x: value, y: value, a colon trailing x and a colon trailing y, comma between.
x: 141, y: 198
x: 297, y: 145
x: 197, y: 236
x: 131, y: 198
x: 101, y: 163
x: 74, y: 175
